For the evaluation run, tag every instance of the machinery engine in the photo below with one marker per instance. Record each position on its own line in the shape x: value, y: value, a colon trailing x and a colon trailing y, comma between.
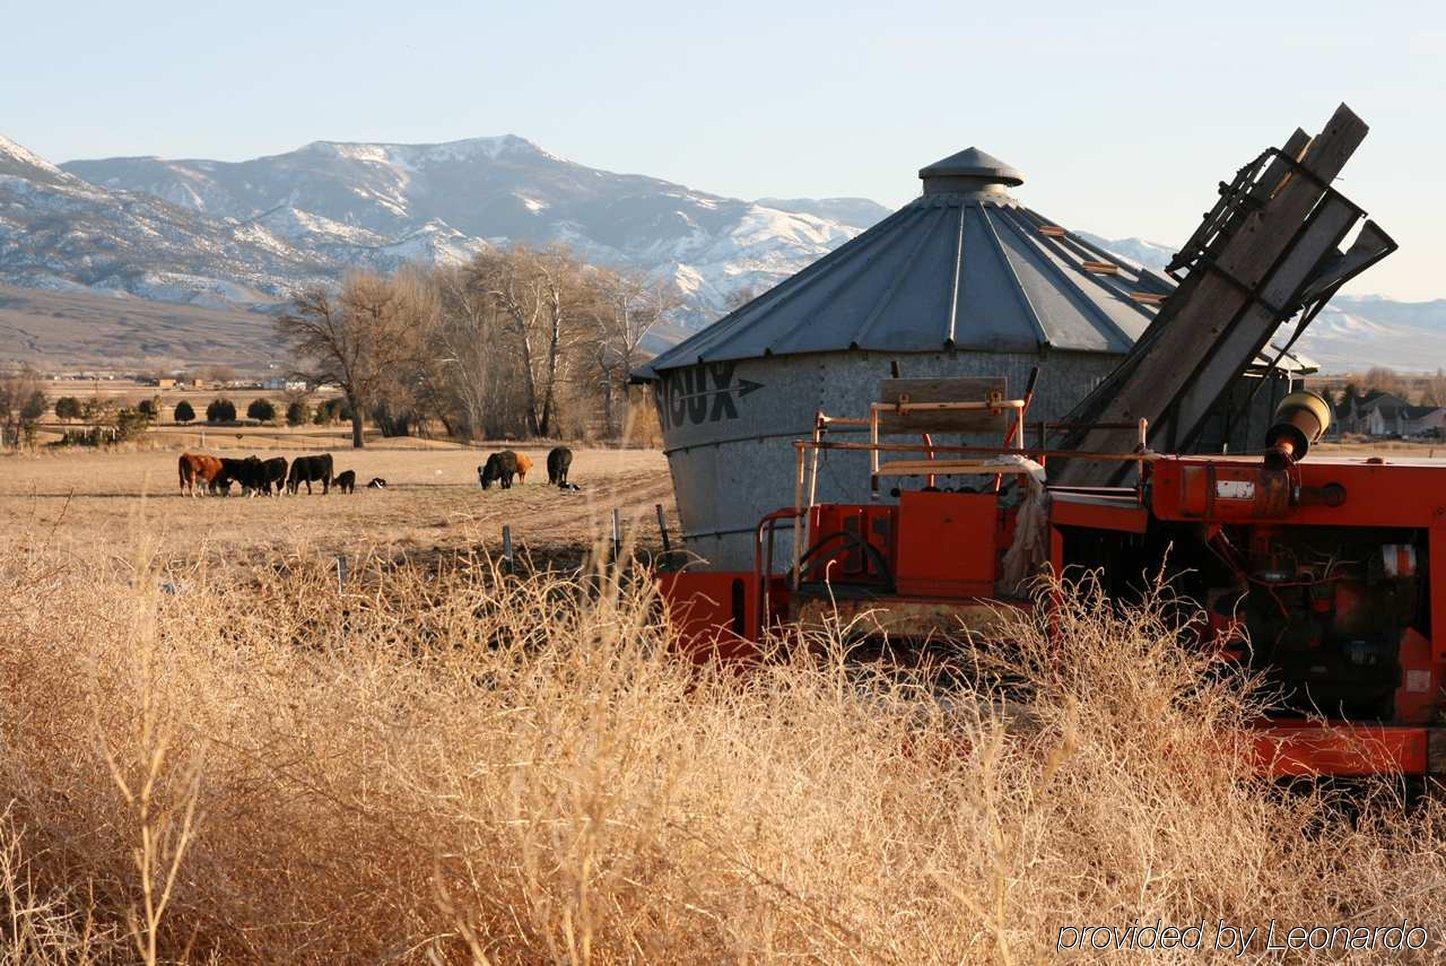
x: 1330, y: 616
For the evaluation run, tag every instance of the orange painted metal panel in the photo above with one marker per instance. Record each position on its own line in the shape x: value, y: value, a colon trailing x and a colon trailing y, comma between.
x: 842, y: 559
x: 715, y: 613
x: 1069, y: 510
x: 1308, y: 749
x: 948, y: 544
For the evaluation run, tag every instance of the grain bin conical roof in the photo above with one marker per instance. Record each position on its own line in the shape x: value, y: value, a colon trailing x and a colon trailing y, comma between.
x: 963, y: 267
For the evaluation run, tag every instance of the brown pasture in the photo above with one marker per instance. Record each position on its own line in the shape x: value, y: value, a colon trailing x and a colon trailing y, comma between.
x: 432, y: 502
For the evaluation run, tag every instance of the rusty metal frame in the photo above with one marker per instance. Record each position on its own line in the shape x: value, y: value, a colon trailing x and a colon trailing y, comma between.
x: 807, y: 455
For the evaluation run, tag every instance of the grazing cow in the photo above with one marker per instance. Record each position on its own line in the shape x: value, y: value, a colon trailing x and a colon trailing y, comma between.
x: 559, y: 461
x: 308, y: 470
x: 377, y: 483
x: 523, y: 465
x: 247, y: 472
x: 199, y: 472
x: 500, y: 468
x: 273, y: 475
x: 345, y: 481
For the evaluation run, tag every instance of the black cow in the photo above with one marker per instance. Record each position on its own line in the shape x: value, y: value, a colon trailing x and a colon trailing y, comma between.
x: 500, y: 468
x: 308, y: 470
x: 559, y: 461
x: 377, y: 483
x: 273, y: 474
x: 345, y: 481
x: 246, y: 472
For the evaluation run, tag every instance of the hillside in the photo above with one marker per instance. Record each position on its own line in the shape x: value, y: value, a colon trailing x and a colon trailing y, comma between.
x: 60, y: 232
x: 380, y: 204
x: 81, y: 330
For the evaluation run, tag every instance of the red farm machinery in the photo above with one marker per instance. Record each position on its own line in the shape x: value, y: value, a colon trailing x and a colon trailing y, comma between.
x: 1317, y: 570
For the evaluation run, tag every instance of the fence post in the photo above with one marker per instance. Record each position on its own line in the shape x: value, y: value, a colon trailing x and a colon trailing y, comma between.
x: 507, y: 547
x: 617, y: 534
x: 663, y: 527
x: 341, y: 572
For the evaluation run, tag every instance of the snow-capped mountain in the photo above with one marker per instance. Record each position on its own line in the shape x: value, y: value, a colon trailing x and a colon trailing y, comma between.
x: 16, y: 161
x: 1358, y: 331
x: 245, y: 234
x: 857, y: 213
x: 60, y: 232
x: 379, y: 204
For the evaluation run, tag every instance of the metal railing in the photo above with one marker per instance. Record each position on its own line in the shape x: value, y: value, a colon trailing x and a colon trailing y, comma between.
x: 808, y: 454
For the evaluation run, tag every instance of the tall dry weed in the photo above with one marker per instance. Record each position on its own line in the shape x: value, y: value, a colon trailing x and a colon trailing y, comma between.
x: 451, y: 764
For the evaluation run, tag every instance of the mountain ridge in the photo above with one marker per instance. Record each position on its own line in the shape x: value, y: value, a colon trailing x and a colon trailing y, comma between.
x: 229, y: 235
x: 353, y: 199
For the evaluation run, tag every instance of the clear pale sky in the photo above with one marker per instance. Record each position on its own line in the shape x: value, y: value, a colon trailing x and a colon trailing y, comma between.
x: 1122, y: 116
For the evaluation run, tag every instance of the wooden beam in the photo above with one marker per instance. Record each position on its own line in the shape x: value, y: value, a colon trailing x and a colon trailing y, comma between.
x: 1200, y: 321
x: 913, y: 392
x: 1089, y: 410
x: 927, y: 467
x: 1249, y: 335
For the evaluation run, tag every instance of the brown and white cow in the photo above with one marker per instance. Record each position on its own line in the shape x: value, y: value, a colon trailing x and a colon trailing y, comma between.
x: 199, y: 470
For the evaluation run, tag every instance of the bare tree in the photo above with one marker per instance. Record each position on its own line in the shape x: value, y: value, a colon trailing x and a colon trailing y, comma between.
x: 463, y: 345
x: 22, y: 403
x: 504, y: 277
x: 518, y: 341
x: 627, y: 308
x: 363, y: 338
x: 542, y: 294
x: 218, y: 374
x: 1433, y: 392
x: 1383, y: 379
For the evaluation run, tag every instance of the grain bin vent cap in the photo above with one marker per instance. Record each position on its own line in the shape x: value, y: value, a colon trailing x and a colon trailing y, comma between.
x: 969, y: 170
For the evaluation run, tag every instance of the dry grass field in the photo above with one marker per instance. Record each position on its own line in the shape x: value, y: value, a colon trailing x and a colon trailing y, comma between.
x: 432, y: 502
x: 212, y: 752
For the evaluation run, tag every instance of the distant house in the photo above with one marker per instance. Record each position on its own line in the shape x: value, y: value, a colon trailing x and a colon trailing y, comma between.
x: 1386, y: 414
x: 166, y: 382
x: 1427, y: 421
x: 1365, y: 415
x: 276, y: 383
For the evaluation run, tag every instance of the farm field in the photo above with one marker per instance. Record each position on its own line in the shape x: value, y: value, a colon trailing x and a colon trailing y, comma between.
x: 215, y: 753
x: 432, y: 502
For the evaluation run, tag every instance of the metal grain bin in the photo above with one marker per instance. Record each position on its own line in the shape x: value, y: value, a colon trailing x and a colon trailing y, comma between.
x: 962, y: 281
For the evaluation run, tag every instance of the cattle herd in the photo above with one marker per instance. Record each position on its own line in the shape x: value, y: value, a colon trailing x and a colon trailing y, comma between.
x: 502, y: 466
x: 202, y: 473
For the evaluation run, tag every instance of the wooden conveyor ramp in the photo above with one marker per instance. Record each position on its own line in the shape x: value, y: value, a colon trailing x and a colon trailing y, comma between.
x: 1267, y: 251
